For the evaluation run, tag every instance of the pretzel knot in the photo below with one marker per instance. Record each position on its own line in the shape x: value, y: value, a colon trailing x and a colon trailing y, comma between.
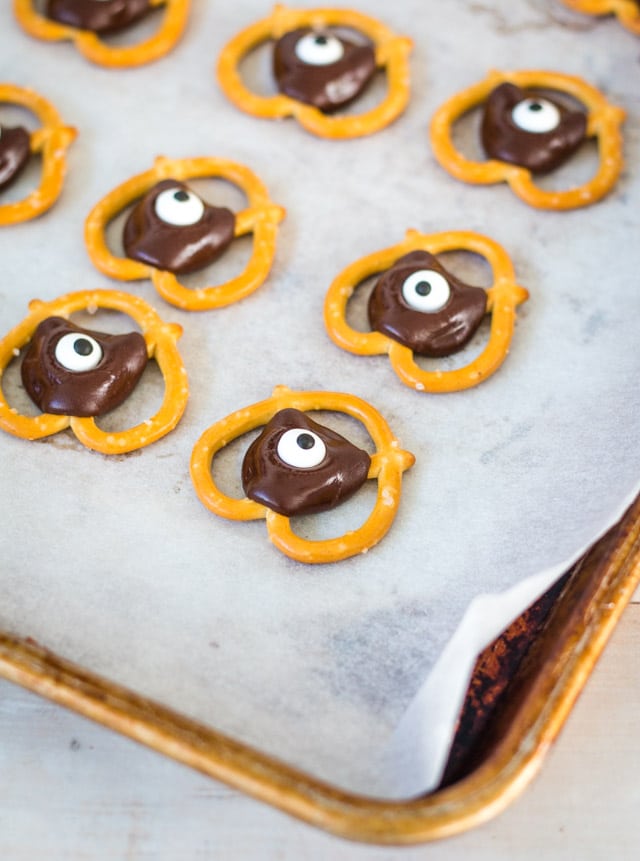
x: 386, y: 466
x: 414, y: 264
x: 626, y: 11
x: 261, y: 218
x: 388, y: 51
x: 160, y: 339
x: 98, y: 51
x: 602, y: 122
x: 52, y: 140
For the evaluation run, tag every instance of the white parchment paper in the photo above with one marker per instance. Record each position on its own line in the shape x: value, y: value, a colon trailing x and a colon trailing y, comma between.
x: 353, y: 671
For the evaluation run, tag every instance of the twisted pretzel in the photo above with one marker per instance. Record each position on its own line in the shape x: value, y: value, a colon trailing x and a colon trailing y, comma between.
x: 626, y: 11
x: 603, y: 123
x: 52, y: 139
x: 160, y: 338
x: 387, y: 466
x: 391, y: 53
x: 502, y: 299
x: 95, y: 49
x: 260, y: 218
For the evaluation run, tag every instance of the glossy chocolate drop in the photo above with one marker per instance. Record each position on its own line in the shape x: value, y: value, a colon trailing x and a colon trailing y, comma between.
x: 52, y: 368
x: 267, y: 478
x: 171, y: 228
x: 14, y: 153
x: 321, y: 69
x: 505, y: 136
x: 99, y: 16
x: 433, y: 333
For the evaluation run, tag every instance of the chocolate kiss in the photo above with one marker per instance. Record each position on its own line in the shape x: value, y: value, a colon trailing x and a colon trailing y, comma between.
x: 107, y: 16
x: 55, y: 389
x: 325, y: 87
x: 434, y: 334
x: 177, y: 249
x: 290, y: 490
x: 14, y: 153
x: 539, y: 152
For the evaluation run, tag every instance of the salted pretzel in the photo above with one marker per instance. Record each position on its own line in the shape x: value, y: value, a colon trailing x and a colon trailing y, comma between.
x: 626, y: 11
x: 96, y: 49
x: 500, y: 301
x: 51, y: 139
x: 160, y: 339
x: 391, y: 52
x: 603, y: 121
x: 386, y: 466
x: 261, y: 218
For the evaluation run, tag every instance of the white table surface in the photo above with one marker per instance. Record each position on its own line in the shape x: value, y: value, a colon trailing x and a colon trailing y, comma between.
x: 72, y: 790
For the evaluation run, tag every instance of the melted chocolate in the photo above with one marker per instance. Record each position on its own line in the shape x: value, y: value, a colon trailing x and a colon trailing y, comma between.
x: 56, y: 389
x: 14, y: 153
x: 436, y: 333
x: 99, y: 16
x: 178, y: 249
x: 326, y: 87
x: 539, y: 152
x: 289, y: 490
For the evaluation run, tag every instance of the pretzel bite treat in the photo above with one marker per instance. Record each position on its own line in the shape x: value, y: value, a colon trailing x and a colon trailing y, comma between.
x: 84, y: 22
x: 626, y: 11
x: 74, y: 375
x: 318, y: 69
x: 171, y: 230
x: 17, y: 145
x: 419, y: 307
x: 298, y: 466
x: 528, y: 130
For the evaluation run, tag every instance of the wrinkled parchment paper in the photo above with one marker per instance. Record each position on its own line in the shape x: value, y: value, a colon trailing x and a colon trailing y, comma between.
x: 353, y: 671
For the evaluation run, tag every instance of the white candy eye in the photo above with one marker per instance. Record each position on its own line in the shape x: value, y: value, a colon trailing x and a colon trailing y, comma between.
x: 78, y: 352
x: 301, y: 448
x: 536, y: 115
x: 319, y: 49
x: 426, y: 290
x: 179, y: 207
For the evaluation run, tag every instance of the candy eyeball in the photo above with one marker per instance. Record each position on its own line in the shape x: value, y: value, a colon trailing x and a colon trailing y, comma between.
x: 319, y: 49
x: 426, y: 290
x: 78, y: 352
x: 179, y: 207
x: 536, y: 115
x: 301, y: 448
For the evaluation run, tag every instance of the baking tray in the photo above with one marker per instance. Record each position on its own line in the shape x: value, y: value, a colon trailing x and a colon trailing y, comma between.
x: 525, y: 683
x: 522, y: 691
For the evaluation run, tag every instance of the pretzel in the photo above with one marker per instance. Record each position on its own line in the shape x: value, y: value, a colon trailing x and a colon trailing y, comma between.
x: 391, y: 53
x: 95, y: 49
x: 626, y: 11
x: 603, y: 123
x: 387, y: 466
x: 260, y: 218
x: 52, y: 139
x: 160, y: 338
x: 502, y: 299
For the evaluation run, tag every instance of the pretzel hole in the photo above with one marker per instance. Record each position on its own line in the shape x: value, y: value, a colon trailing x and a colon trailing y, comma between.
x: 14, y: 392
x: 30, y: 177
x: 133, y: 34
x: 256, y: 71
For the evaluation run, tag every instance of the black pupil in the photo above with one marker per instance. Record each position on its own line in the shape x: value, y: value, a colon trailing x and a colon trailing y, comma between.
x: 181, y: 195
x: 321, y: 40
x: 83, y: 347
x: 535, y: 106
x: 423, y: 288
x: 305, y: 441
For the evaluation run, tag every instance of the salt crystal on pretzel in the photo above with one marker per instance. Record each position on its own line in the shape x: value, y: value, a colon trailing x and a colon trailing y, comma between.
x: 303, y: 456
x: 51, y: 140
x: 55, y: 27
